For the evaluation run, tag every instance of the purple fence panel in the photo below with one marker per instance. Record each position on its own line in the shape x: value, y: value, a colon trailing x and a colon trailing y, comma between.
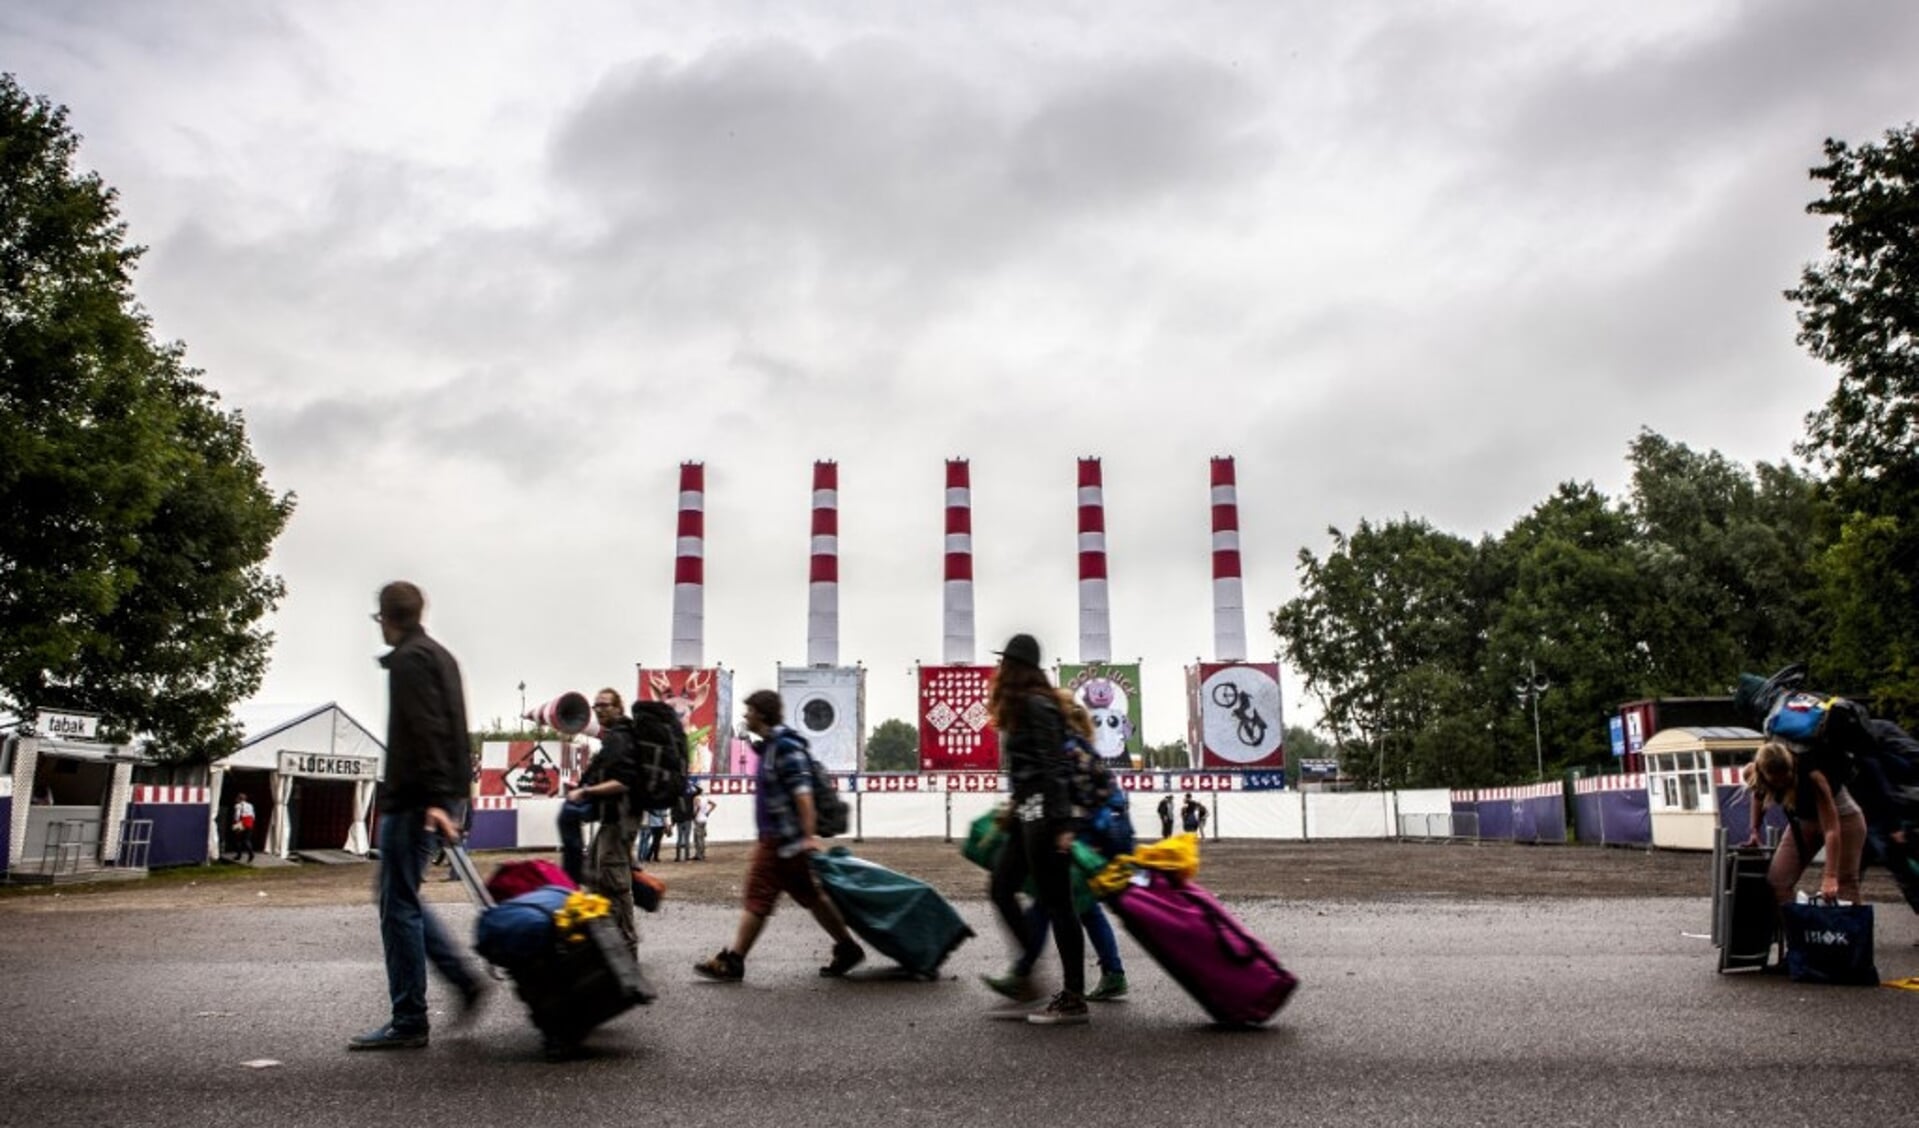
x: 494, y: 830
x: 179, y: 833
x: 1735, y: 814
x: 1589, y: 821
x: 1525, y: 822
x: 1548, y: 814
x: 1626, y: 817
x: 6, y: 832
x: 1495, y: 818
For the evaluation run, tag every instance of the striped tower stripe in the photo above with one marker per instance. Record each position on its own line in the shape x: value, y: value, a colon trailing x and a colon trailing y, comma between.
x: 958, y: 647
x: 823, y: 572
x: 1095, y: 620
x: 1229, y: 598
x: 689, y: 573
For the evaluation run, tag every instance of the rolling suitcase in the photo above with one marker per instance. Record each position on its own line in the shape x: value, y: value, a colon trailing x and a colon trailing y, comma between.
x: 902, y: 917
x: 1745, y: 917
x: 1225, y: 968
x: 583, y: 979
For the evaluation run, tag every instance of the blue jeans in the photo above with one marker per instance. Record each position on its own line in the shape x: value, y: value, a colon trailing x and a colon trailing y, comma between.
x: 573, y: 839
x: 410, y: 934
x: 1099, y: 933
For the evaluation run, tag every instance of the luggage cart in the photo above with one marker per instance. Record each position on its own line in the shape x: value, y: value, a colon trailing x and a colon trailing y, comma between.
x: 1745, y: 918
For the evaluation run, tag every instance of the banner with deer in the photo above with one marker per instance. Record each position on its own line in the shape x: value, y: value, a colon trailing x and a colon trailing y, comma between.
x: 703, y: 697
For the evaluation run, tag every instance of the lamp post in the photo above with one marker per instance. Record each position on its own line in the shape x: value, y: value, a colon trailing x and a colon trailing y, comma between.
x: 1528, y: 689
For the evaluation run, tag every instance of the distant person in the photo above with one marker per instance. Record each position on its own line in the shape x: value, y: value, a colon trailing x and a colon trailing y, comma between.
x: 609, y: 779
x: 243, y: 829
x: 1192, y: 815
x: 684, y: 808
x: 427, y: 770
x: 1810, y: 786
x: 1032, y: 734
x: 655, y: 834
x: 701, y: 815
x: 1166, y: 816
x: 784, y: 814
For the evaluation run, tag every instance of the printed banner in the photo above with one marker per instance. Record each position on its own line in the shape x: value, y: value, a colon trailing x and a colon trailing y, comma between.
x: 704, y: 700
x: 538, y: 768
x: 1111, y: 694
x: 825, y: 705
x: 1236, y: 714
x: 956, y: 734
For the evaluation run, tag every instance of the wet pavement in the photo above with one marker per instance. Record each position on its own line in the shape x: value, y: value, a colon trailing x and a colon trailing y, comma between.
x: 1412, y: 1011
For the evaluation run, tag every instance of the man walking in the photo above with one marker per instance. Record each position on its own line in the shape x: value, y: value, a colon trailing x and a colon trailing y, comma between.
x: 427, y: 770
x: 610, y: 778
x: 243, y: 829
x: 784, y: 813
x: 701, y: 814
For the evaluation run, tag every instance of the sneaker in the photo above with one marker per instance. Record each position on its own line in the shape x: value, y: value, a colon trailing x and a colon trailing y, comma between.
x: 1111, y: 986
x: 387, y: 1038
x: 1066, y: 1009
x: 847, y: 955
x: 727, y: 967
x: 1012, y: 985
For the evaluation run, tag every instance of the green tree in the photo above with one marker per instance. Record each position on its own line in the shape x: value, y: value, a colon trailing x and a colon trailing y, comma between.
x: 893, y: 746
x: 1172, y: 754
x: 138, y: 521
x: 1859, y: 312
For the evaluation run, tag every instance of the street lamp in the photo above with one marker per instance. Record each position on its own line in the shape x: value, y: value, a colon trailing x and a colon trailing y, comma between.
x: 1528, y: 689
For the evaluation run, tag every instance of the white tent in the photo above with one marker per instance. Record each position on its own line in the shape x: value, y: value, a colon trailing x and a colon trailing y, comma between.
x: 300, y: 745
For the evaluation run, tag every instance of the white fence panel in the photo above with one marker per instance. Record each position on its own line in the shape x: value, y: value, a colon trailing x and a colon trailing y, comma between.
x: 1362, y: 814
x: 732, y: 819
x: 1437, y: 801
x: 538, y: 823
x: 902, y: 814
x: 969, y: 805
x: 1255, y: 814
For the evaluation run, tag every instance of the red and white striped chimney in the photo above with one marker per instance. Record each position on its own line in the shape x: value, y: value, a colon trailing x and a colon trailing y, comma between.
x: 1229, y: 599
x: 689, y: 575
x: 1095, y: 626
x: 823, y: 573
x: 959, y: 563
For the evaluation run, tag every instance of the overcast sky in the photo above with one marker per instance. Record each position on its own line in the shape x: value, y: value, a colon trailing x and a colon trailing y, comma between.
x: 481, y: 276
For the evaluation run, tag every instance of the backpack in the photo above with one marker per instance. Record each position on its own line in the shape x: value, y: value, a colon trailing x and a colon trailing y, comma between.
x: 1106, y: 816
x: 831, y: 818
x: 659, y: 755
x: 683, y: 806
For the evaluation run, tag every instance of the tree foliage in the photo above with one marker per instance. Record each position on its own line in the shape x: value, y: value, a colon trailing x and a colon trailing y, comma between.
x: 1859, y: 312
x: 131, y: 565
x: 893, y: 746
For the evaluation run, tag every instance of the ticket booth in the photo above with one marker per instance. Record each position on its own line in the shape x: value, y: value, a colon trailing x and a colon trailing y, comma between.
x: 310, y: 774
x: 69, y: 799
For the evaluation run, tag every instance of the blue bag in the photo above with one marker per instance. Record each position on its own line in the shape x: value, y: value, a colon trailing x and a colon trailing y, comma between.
x: 1799, y: 717
x: 1827, y: 942
x: 515, y: 933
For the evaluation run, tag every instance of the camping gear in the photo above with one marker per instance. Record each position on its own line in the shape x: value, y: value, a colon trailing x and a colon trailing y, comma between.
x: 1225, y: 968
x: 519, y: 930
x: 982, y: 846
x: 583, y: 977
x: 511, y: 879
x: 1745, y: 922
x: 903, y: 918
x: 1829, y: 942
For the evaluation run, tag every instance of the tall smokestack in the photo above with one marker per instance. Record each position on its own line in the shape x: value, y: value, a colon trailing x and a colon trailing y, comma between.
x: 1095, y: 627
x: 1229, y: 600
x: 959, y: 563
x: 823, y: 573
x: 689, y: 575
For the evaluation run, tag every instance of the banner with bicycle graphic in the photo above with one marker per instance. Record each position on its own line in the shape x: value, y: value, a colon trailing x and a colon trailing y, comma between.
x: 1234, y: 710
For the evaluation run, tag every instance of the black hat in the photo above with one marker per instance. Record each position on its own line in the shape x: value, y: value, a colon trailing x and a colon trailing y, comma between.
x: 1021, y: 648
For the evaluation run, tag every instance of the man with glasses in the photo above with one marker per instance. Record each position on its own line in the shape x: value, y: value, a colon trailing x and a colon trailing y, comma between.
x: 609, y: 778
x: 428, y: 768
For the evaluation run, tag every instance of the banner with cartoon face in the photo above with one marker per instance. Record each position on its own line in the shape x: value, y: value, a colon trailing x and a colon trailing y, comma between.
x: 1111, y: 695
x: 956, y: 732
x: 1234, y: 714
x: 703, y: 698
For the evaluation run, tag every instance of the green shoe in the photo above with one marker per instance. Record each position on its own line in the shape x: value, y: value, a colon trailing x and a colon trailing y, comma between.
x: 1111, y: 985
x: 1018, y: 988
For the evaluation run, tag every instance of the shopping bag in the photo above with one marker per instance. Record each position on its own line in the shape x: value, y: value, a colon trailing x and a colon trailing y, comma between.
x: 1830, y: 942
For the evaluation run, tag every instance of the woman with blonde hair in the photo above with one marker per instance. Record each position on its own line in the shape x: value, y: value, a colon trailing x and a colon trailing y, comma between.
x: 1811, y: 788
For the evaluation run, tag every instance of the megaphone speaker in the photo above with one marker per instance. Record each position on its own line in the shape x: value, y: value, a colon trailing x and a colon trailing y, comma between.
x: 569, y: 713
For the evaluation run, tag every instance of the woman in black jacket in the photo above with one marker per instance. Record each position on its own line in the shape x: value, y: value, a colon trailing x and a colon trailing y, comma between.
x: 1032, y: 736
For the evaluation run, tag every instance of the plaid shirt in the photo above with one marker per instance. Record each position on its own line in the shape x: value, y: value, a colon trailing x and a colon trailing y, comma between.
x: 786, y: 770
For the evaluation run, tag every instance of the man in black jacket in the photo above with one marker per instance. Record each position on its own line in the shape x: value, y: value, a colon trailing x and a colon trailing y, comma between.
x: 427, y: 772
x: 609, y: 779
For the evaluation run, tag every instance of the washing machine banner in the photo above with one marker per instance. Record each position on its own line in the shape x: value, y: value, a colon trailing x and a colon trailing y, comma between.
x: 827, y: 705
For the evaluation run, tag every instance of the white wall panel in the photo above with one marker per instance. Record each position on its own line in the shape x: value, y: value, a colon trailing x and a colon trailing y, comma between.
x: 1249, y: 814
x: 1359, y: 814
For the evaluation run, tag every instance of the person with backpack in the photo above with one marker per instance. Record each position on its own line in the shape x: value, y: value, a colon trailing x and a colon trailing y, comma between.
x: 1032, y: 733
x: 1192, y: 815
x: 1094, y: 795
x: 610, y: 778
x: 1810, y: 784
x: 786, y: 814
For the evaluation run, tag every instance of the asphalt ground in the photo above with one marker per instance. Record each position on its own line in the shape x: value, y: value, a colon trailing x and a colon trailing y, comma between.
x: 1415, y: 1009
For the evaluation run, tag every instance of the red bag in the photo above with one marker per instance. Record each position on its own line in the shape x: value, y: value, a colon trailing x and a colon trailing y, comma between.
x: 511, y: 879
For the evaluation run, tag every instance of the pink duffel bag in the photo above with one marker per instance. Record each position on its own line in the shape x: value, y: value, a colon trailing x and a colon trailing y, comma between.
x: 1225, y: 968
x: 511, y: 879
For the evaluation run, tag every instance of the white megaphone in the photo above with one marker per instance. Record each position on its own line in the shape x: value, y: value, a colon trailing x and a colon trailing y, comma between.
x: 569, y: 714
